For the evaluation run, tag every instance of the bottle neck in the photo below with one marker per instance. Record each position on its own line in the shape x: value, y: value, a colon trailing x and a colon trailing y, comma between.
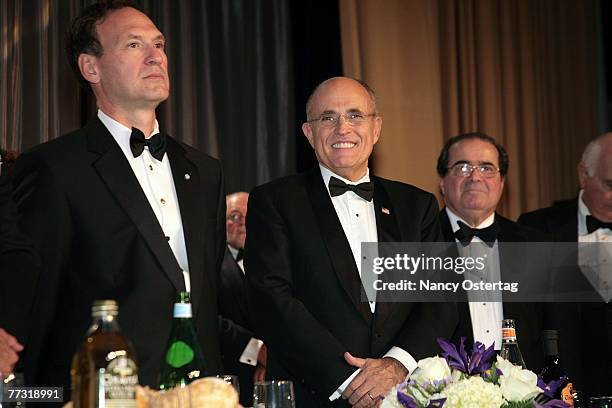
x: 508, y: 335
x: 104, y: 323
x: 182, y: 311
x: 551, y: 360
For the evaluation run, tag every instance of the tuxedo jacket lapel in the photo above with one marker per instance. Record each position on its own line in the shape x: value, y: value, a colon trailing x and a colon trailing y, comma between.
x: 118, y: 176
x: 187, y: 184
x: 335, y: 240
x: 388, y: 231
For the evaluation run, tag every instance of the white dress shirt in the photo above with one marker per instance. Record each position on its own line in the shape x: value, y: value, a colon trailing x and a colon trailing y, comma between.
x: 358, y: 221
x: 595, y: 255
x: 155, y: 179
x: 486, y: 316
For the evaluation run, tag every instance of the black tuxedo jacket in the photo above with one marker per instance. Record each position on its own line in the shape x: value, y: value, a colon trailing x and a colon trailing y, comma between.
x: 585, y: 328
x: 529, y: 317
x: 306, y: 291
x: 98, y: 238
x: 233, y: 305
x: 19, y: 267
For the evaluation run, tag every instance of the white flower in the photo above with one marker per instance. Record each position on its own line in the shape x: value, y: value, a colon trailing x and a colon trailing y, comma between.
x: 431, y: 369
x: 517, y: 384
x: 390, y: 400
x: 472, y: 392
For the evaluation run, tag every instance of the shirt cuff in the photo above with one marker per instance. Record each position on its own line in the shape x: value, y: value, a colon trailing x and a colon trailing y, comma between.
x: 403, y: 357
x: 343, y: 386
x: 251, y: 352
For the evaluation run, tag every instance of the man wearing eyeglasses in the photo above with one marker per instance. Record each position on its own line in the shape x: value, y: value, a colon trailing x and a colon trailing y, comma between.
x: 586, y: 219
x: 472, y: 168
x: 303, y: 261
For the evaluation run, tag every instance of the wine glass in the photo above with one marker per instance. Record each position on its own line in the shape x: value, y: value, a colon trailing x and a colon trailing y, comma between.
x: 600, y: 402
x: 273, y: 394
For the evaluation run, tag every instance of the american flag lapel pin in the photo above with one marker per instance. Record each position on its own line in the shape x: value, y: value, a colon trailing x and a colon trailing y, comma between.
x: 385, y: 211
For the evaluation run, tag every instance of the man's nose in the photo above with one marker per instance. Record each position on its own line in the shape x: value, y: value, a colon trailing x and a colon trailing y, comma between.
x: 343, y: 125
x: 156, y: 55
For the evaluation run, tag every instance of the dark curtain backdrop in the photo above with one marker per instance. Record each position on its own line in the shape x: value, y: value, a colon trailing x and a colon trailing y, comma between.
x: 231, y: 75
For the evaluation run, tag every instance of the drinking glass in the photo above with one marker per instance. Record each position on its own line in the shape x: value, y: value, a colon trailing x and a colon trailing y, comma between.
x: 600, y: 402
x: 10, y: 380
x: 273, y: 394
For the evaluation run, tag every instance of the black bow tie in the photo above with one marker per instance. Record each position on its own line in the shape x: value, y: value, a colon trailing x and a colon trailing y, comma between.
x: 488, y: 235
x: 593, y: 224
x: 156, y: 144
x: 338, y: 187
x: 240, y: 255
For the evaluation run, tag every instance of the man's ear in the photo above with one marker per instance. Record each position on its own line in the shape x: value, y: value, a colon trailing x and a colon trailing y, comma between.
x: 89, y: 68
x: 441, y: 186
x: 308, y: 133
x: 582, y: 174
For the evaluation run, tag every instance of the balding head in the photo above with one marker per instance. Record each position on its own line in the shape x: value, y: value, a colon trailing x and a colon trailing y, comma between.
x: 331, y: 81
x: 595, y: 175
x: 235, y: 218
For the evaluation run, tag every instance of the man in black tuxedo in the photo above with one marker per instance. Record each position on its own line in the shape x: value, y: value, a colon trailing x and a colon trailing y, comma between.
x: 472, y: 168
x: 303, y: 262
x: 18, y: 275
x: 119, y: 210
x: 587, y: 218
x: 242, y: 354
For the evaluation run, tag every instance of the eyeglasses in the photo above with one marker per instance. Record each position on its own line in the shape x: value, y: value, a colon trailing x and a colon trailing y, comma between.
x: 330, y: 120
x: 235, y: 217
x: 466, y: 170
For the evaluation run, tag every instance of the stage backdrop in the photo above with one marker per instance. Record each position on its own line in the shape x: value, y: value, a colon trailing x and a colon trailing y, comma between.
x: 522, y: 71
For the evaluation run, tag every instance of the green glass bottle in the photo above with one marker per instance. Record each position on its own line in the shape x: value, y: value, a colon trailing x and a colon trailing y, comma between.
x: 183, y: 361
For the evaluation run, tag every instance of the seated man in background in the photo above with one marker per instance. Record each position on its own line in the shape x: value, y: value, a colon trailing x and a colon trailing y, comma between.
x: 241, y: 352
x: 472, y: 168
x: 586, y: 334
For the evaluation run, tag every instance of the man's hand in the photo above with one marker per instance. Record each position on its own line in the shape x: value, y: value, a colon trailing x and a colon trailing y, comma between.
x: 376, y: 378
x: 259, y: 374
x: 9, y: 347
x: 262, y: 360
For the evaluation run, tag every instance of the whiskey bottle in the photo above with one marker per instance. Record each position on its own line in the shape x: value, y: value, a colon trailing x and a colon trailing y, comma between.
x: 183, y: 361
x: 104, y: 371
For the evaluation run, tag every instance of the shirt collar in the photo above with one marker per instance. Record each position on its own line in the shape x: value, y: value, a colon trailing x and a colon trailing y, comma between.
x: 233, y: 251
x: 583, y: 211
x: 121, y: 133
x: 453, y: 218
x: 327, y: 174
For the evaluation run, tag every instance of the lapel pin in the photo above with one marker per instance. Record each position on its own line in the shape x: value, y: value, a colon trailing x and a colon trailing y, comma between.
x: 187, y: 176
x: 386, y: 211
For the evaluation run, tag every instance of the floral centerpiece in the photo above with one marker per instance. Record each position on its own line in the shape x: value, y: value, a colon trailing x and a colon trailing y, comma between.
x: 459, y: 379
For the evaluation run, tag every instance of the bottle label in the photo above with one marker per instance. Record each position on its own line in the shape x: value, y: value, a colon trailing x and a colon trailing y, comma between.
x: 508, y: 333
x: 182, y: 310
x: 117, y: 383
x: 179, y: 354
x: 567, y: 394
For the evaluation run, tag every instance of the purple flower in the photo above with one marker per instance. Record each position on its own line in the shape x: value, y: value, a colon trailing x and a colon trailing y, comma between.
x: 478, y: 362
x: 550, y: 388
x: 552, y: 404
x: 439, y: 403
x: 405, y: 400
